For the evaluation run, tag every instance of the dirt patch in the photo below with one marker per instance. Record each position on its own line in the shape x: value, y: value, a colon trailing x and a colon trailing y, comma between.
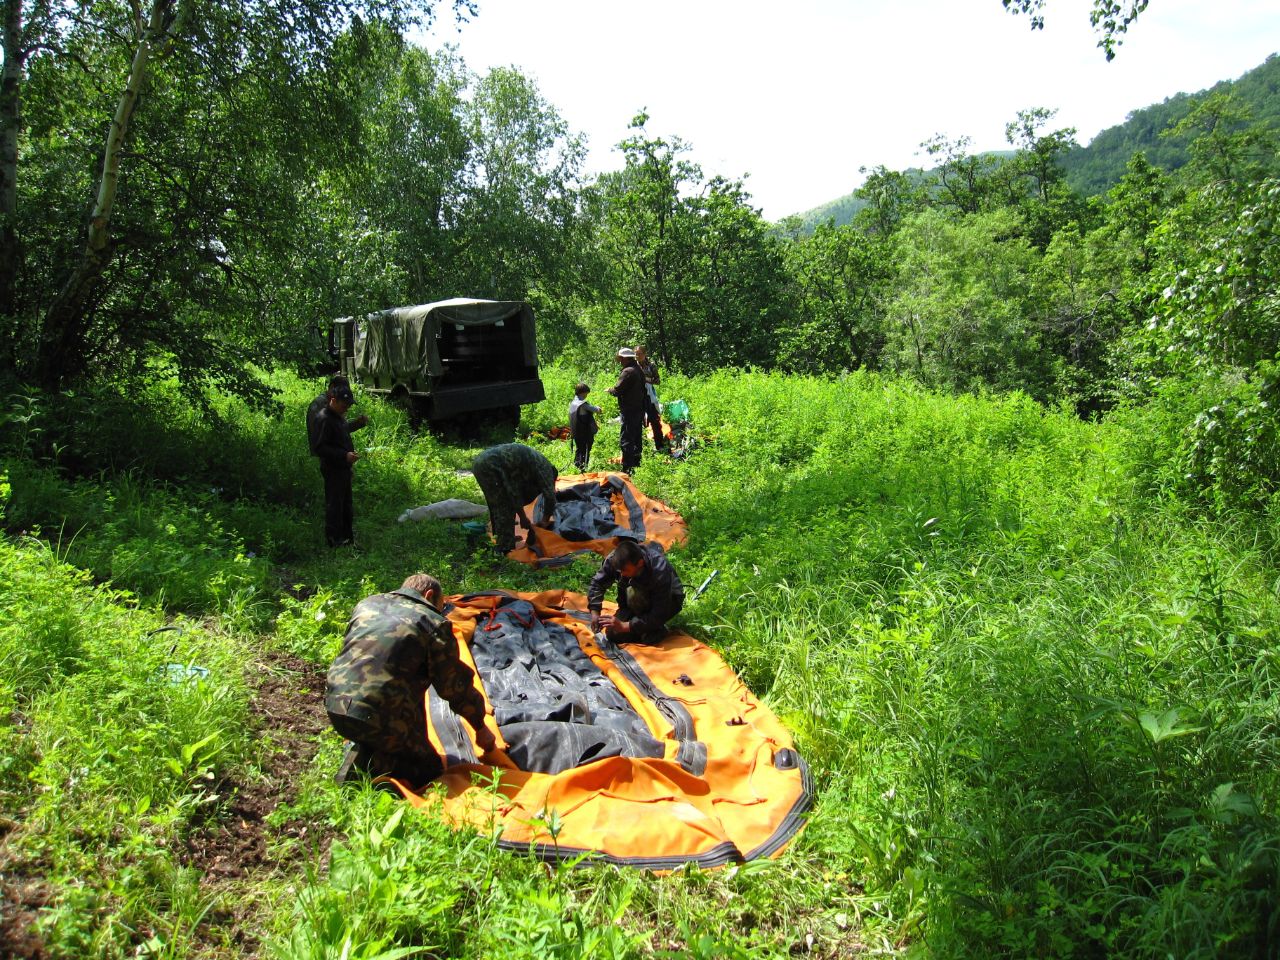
x: 236, y: 843
x: 21, y: 899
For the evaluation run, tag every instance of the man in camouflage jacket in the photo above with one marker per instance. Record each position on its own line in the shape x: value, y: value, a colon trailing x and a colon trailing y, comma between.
x: 397, y: 645
x: 511, y: 475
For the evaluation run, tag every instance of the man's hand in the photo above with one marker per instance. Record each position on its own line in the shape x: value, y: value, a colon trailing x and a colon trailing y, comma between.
x: 485, y: 740
x: 604, y: 623
x: 595, y: 621
x: 361, y: 421
x: 530, y: 539
x: 619, y: 627
x: 352, y: 457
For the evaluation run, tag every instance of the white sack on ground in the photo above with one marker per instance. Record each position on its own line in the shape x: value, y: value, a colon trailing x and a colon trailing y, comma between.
x: 446, y: 510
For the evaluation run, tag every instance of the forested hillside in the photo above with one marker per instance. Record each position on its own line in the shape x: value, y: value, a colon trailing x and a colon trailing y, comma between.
x: 991, y: 474
x: 1096, y: 167
x: 1154, y: 130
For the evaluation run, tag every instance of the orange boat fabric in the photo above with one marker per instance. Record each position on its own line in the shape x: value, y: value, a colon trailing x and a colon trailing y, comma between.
x: 724, y: 783
x: 644, y: 517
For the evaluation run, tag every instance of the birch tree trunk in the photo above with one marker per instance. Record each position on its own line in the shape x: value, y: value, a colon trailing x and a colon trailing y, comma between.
x: 10, y: 118
x: 61, y: 350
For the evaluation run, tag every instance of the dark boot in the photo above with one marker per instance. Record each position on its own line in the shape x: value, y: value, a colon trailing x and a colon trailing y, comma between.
x: 355, y: 762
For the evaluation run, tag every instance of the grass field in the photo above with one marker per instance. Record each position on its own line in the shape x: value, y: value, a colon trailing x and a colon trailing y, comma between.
x: 1038, y: 692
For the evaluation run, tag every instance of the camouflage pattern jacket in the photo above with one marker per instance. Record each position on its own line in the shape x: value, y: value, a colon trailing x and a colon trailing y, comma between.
x: 396, y: 645
x: 516, y: 474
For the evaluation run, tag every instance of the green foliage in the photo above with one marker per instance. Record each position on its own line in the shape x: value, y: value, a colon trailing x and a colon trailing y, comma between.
x: 1215, y: 335
x: 111, y: 748
x: 1110, y: 18
x: 1034, y: 690
x: 695, y: 273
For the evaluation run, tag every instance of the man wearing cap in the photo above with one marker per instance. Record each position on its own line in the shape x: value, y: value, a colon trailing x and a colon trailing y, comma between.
x: 337, y: 455
x: 337, y: 381
x: 632, y: 401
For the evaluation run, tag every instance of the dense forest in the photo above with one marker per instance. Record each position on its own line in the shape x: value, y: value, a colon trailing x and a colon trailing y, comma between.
x: 990, y: 471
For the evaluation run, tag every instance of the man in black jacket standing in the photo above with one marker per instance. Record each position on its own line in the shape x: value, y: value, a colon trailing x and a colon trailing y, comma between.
x: 332, y: 444
x: 649, y: 592
x: 632, y: 402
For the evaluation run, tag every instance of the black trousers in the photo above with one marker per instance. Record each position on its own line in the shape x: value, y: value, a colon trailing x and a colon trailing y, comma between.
x: 655, y: 421
x: 337, y: 505
x: 632, y: 431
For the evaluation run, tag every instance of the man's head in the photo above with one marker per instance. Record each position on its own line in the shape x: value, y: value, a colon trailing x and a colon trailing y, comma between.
x: 641, y: 354
x: 426, y: 585
x: 338, y: 382
x: 581, y: 390
x: 340, y: 396
x: 627, y: 558
x: 626, y: 355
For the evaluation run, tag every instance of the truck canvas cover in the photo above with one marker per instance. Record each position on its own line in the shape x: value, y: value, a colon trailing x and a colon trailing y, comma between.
x: 401, y: 343
x: 646, y: 755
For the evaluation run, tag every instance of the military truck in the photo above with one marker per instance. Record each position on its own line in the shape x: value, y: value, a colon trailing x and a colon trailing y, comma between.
x: 444, y: 359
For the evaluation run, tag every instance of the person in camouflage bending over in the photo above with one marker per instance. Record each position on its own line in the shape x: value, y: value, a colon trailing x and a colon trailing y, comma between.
x: 511, y: 475
x: 397, y: 645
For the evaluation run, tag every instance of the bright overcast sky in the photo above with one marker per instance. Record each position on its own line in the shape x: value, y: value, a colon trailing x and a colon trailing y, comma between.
x: 796, y: 96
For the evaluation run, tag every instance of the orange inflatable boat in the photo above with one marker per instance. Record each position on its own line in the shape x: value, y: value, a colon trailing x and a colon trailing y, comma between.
x: 650, y: 756
x: 593, y: 512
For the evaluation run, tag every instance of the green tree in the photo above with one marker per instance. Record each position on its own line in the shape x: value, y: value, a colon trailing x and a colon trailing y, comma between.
x: 184, y: 126
x: 648, y: 233
x: 841, y: 278
x: 1033, y: 181
x: 1224, y: 142
x: 963, y: 181
x: 961, y: 315
x: 889, y: 195
x: 520, y: 226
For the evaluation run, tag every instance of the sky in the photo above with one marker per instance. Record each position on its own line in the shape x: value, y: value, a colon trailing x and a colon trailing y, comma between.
x: 794, y: 97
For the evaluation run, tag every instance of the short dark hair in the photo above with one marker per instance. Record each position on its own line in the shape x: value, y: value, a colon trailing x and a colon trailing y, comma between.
x: 338, y: 380
x: 425, y: 584
x: 582, y: 389
x: 626, y: 553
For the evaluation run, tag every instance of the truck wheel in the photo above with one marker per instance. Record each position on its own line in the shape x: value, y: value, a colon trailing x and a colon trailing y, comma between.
x: 418, y: 413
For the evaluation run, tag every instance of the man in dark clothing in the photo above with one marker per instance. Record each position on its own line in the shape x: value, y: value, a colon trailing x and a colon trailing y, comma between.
x: 631, y: 406
x: 651, y: 381
x: 337, y: 456
x: 397, y: 645
x: 511, y: 475
x: 336, y: 382
x: 649, y: 592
